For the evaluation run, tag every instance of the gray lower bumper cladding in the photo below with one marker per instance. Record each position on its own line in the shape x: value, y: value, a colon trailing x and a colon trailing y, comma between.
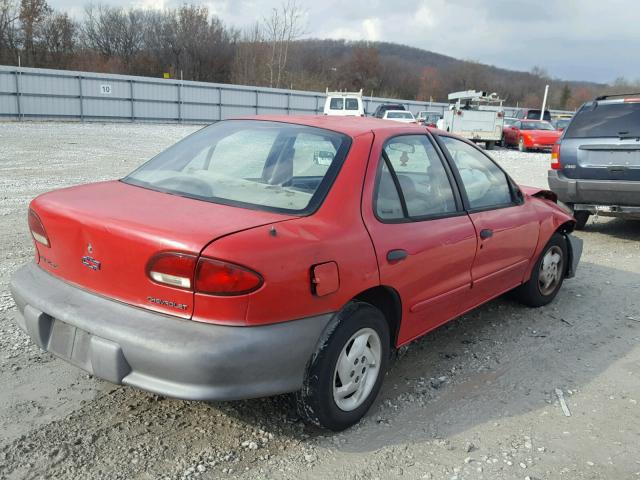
x: 159, y: 353
x: 574, y: 245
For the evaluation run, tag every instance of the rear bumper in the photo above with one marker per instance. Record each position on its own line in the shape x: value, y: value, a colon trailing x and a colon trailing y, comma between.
x: 159, y: 353
x: 595, y: 192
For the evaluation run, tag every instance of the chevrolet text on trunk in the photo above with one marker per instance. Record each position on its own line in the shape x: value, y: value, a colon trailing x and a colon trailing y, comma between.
x: 269, y: 255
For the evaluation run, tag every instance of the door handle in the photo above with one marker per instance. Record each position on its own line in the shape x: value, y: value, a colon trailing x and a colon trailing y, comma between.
x: 396, y: 255
x: 486, y: 233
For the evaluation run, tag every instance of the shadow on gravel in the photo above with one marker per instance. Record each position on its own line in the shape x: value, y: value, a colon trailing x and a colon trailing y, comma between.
x: 615, y: 227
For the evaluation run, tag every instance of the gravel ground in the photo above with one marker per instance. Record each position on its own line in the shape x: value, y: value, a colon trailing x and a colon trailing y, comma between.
x: 475, y: 399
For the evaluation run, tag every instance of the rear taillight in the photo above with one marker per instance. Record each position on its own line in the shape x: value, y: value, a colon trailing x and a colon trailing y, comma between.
x: 555, y: 157
x: 173, y: 269
x: 37, y: 229
x: 206, y: 275
x: 500, y: 114
x: 215, y: 277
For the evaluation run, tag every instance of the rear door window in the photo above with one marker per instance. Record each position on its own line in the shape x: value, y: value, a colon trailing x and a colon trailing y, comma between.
x: 618, y: 120
x: 425, y: 190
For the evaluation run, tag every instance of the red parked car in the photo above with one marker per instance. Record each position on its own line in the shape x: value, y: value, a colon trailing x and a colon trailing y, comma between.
x: 284, y: 254
x: 531, y: 135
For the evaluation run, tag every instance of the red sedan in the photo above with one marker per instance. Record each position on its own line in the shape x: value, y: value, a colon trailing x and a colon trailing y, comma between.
x: 284, y: 254
x: 531, y: 135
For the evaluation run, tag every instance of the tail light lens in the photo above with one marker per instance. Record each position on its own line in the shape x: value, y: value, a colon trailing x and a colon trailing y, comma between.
x: 38, y: 232
x: 555, y: 157
x: 173, y: 269
x: 207, y: 275
x: 215, y: 277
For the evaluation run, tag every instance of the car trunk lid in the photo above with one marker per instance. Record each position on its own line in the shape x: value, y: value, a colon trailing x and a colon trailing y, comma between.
x: 102, y: 236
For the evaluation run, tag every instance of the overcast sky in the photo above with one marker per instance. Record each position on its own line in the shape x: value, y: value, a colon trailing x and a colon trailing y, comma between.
x: 591, y: 40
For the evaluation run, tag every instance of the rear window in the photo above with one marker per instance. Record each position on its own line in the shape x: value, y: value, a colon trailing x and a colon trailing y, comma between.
x: 255, y: 164
x: 392, y: 114
x: 606, y: 120
x: 533, y: 114
x: 336, y: 103
x: 351, y: 104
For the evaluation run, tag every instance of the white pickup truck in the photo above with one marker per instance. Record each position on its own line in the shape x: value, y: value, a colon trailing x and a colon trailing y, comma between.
x: 474, y: 115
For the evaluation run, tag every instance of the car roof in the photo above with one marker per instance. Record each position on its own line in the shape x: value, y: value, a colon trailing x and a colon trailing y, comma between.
x: 352, y: 126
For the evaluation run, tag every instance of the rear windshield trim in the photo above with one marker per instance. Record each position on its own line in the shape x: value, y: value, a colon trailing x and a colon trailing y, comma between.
x: 314, y: 204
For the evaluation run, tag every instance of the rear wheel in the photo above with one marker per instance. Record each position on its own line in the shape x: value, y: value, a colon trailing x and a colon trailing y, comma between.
x: 547, y: 275
x: 581, y: 217
x: 346, y: 373
x: 489, y: 145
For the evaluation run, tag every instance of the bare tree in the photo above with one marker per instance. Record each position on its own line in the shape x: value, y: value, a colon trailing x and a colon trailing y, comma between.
x: 114, y: 32
x: 250, y: 57
x: 8, y: 30
x: 58, y: 39
x: 281, y: 28
x: 32, y: 15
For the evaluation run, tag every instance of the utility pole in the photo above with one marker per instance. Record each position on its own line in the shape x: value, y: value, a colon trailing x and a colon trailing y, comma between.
x: 544, y: 102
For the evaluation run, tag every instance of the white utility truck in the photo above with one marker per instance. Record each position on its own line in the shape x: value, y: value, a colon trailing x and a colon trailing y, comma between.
x: 344, y: 104
x: 474, y: 115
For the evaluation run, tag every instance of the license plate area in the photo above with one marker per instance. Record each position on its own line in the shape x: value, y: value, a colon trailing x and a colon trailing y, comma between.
x: 70, y: 343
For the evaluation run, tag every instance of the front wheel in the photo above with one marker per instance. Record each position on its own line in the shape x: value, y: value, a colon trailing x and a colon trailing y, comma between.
x: 345, y: 374
x: 521, y: 146
x: 547, y: 275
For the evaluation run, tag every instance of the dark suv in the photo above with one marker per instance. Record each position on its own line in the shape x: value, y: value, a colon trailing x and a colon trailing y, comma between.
x: 379, y: 113
x: 595, y: 167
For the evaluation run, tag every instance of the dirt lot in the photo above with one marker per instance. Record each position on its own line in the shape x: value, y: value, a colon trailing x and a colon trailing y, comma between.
x: 475, y: 399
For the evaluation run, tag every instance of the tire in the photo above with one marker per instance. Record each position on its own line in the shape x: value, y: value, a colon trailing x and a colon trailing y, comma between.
x: 539, y: 291
x: 322, y: 400
x: 521, y: 146
x: 489, y: 145
x: 581, y: 216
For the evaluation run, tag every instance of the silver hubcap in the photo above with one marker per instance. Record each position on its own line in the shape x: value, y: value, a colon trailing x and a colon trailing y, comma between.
x: 357, y: 369
x: 551, y: 270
